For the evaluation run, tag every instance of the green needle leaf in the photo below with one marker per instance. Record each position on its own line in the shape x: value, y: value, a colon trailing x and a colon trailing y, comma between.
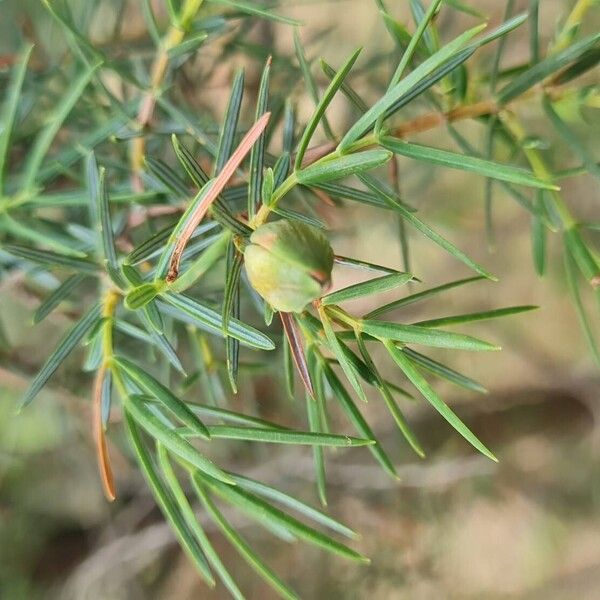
x: 478, y: 316
x: 155, y: 243
x: 188, y: 46
x: 581, y: 253
x: 344, y: 166
x: 546, y: 67
x: 336, y: 347
x: 393, y: 407
x: 367, y: 288
x: 364, y: 265
x: 100, y: 202
x: 572, y: 140
x: 232, y: 113
x: 405, y: 85
x: 157, y: 429
x: 443, y: 371
x: 231, y: 306
x: 309, y: 80
x: 52, y: 259
x: 538, y: 238
x: 355, y: 417
x: 423, y: 228
x: 415, y: 334
x: 271, y: 493
x: 251, y: 8
x: 257, y: 153
x: 64, y: 348
x: 229, y: 416
x: 349, y: 92
x: 274, y: 436
x: 172, y: 403
x: 192, y: 522
x: 324, y: 102
x: 263, y: 512
x: 462, y: 162
x: 11, y: 107
x: 404, y: 362
x: 167, y: 503
x: 55, y: 120
x: 194, y: 312
x: 57, y: 296
x: 337, y: 190
x: 571, y: 272
x: 420, y: 296
x: 407, y: 55
x: 239, y: 543
x: 315, y: 423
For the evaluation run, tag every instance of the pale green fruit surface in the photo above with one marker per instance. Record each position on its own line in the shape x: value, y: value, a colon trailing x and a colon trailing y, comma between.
x: 289, y: 264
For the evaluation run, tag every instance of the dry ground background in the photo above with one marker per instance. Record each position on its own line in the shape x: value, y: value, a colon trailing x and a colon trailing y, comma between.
x: 457, y: 526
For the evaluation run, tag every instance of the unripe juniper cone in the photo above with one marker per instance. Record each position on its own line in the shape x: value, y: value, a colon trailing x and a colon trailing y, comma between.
x: 289, y: 264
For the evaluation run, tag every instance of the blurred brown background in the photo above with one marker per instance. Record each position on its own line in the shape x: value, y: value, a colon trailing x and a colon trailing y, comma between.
x: 457, y: 525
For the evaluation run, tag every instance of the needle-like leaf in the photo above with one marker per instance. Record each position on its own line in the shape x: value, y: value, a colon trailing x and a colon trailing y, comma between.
x: 404, y: 362
x: 239, y: 543
x: 261, y: 489
x: 10, y: 107
x: 52, y: 259
x: 309, y: 80
x: 167, y: 503
x: 393, y: 407
x: 417, y: 297
x: 425, y: 229
x: 571, y: 272
x: 334, y: 344
x: 251, y: 8
x: 316, y: 425
x: 478, y: 316
x: 231, y: 301
x: 192, y: 522
x: 176, y: 444
x: 391, y: 96
x: 257, y: 153
x: 351, y: 410
x: 338, y: 168
x: 367, y: 288
x: 64, y: 348
x: 283, y: 436
x: 54, y: 121
x: 570, y: 138
x: 416, y: 334
x: 57, y: 296
x: 539, y: 71
x: 148, y: 384
x: 322, y: 105
x: 232, y: 113
x: 349, y: 92
x: 443, y: 371
x: 100, y: 202
x: 262, y: 511
x: 191, y: 311
x: 462, y: 162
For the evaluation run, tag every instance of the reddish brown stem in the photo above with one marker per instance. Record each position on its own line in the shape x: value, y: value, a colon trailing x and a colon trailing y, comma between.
x: 106, y: 475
